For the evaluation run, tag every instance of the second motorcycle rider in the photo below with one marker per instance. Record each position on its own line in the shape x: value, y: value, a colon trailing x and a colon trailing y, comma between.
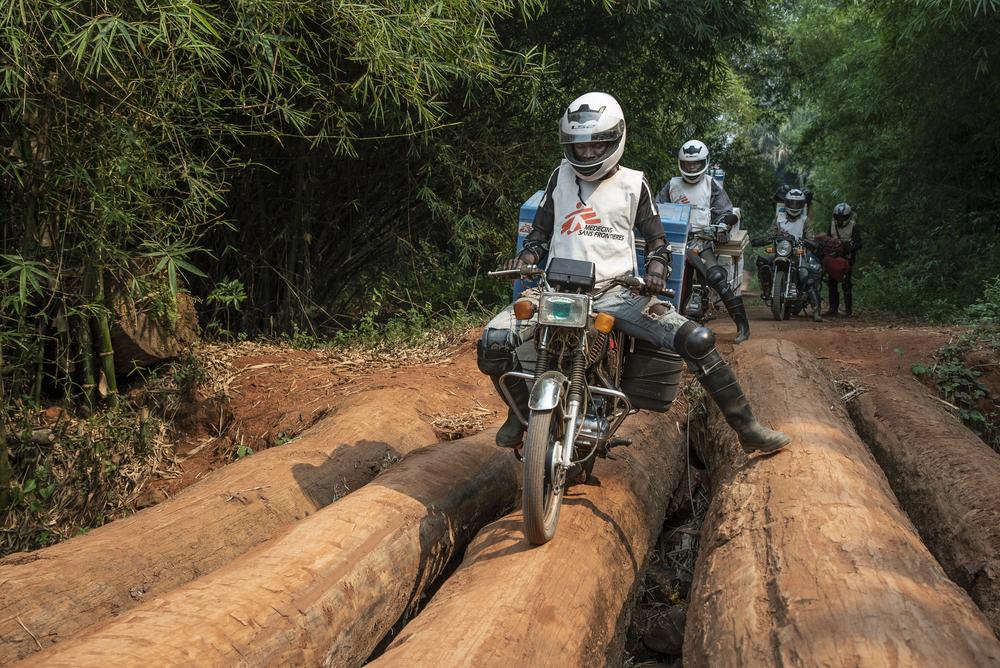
x: 710, y: 205
x: 590, y: 208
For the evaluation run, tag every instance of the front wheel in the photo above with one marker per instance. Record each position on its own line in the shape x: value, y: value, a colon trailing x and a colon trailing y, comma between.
x: 542, y: 497
x: 778, y: 294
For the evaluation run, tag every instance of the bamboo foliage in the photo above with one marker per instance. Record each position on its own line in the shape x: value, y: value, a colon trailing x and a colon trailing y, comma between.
x: 123, y: 124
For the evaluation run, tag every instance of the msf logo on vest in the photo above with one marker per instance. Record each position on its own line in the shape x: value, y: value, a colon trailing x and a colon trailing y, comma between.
x: 575, y: 221
x: 584, y: 222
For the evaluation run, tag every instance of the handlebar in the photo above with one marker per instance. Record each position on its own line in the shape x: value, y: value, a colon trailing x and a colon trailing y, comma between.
x: 527, y: 271
x: 534, y: 271
x: 636, y: 283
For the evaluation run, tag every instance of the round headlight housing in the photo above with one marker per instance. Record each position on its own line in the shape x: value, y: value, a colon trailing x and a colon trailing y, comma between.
x: 784, y: 248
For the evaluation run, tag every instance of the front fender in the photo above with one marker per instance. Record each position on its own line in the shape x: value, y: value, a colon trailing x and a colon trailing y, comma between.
x: 547, y: 390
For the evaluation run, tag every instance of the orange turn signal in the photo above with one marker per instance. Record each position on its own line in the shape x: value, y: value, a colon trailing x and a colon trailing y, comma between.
x: 524, y: 309
x: 800, y: 251
x: 769, y: 250
x: 604, y: 322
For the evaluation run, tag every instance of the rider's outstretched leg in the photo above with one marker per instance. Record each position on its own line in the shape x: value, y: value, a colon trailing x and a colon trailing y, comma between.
x: 696, y: 344
x: 834, y: 297
x: 495, y: 357
x: 718, y: 278
x: 848, y: 296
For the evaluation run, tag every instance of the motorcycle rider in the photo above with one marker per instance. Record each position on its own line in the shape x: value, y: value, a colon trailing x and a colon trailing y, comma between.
x: 709, y: 204
x: 597, y: 204
x: 794, y: 223
x: 844, y: 228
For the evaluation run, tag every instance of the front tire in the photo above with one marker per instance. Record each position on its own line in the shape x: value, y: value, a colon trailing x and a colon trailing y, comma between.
x: 778, y: 294
x: 541, y: 500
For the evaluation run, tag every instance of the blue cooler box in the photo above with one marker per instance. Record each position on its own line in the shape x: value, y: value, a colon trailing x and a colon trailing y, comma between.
x: 674, y: 218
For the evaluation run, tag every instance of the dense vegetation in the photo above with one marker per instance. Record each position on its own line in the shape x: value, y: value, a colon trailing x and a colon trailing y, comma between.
x: 310, y: 169
x: 898, y: 101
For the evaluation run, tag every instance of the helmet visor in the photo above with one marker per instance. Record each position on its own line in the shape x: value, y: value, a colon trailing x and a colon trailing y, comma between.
x: 841, y: 219
x: 693, y: 167
x: 591, y: 152
x: 579, y: 133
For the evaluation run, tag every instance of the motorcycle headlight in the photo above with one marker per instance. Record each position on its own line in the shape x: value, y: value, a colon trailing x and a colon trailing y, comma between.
x: 564, y: 310
x: 784, y: 248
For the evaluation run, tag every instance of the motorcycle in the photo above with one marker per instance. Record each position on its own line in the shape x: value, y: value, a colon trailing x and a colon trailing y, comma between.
x: 786, y: 296
x: 587, y: 379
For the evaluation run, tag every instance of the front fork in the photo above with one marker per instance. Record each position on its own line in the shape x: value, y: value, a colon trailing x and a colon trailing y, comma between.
x: 574, y: 400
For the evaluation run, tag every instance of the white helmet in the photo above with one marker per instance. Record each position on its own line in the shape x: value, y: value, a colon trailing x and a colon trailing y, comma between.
x: 593, y: 118
x: 692, y: 160
x: 795, y: 203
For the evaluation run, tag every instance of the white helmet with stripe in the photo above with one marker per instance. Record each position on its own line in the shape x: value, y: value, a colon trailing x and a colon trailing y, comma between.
x: 692, y: 160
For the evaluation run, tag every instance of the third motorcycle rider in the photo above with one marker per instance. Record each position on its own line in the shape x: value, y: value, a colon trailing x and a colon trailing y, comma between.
x: 709, y: 205
x: 590, y: 208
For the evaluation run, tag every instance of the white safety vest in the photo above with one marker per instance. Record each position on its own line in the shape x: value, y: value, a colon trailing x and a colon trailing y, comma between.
x: 698, y: 196
x: 795, y: 227
x: 599, y: 229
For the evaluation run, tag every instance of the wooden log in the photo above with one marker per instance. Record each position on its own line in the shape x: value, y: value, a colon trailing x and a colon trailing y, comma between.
x: 806, y: 558
x: 946, y: 478
x: 326, y: 591
x: 564, y: 603
x: 49, y: 594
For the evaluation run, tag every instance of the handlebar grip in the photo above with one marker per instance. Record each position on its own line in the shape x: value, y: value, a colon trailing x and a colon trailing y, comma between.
x: 527, y: 271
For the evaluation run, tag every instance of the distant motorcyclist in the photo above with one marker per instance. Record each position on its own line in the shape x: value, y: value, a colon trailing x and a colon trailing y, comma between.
x: 794, y: 221
x: 844, y: 229
x: 709, y: 205
x: 589, y: 210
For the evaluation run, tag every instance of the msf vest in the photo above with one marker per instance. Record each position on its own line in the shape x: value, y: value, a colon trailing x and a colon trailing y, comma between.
x: 698, y: 196
x: 599, y: 228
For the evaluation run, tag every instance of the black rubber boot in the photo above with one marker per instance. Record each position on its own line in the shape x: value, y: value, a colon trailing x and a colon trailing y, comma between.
x: 848, y: 304
x: 511, y: 432
x: 721, y: 384
x: 738, y: 312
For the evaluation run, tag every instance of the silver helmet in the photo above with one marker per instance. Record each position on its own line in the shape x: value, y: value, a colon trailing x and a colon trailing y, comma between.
x: 842, y: 214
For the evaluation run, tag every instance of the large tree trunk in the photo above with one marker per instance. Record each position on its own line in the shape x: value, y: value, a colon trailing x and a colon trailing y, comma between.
x: 60, y: 590
x: 806, y: 558
x: 332, y: 586
x: 946, y: 478
x: 564, y: 603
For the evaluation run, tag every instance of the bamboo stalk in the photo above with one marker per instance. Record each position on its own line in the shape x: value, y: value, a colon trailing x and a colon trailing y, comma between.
x: 63, y: 356
x: 4, y: 457
x: 85, y: 342
x: 39, y: 361
x: 105, y: 349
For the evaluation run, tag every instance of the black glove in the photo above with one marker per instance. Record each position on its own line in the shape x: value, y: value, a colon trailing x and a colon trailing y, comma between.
x: 658, y: 264
x: 656, y: 279
x: 523, y: 259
